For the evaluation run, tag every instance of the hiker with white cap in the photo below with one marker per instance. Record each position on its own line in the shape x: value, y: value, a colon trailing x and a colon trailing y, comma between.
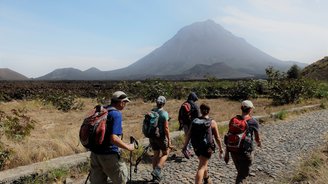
x: 160, y: 141
x: 105, y: 159
x: 239, y: 141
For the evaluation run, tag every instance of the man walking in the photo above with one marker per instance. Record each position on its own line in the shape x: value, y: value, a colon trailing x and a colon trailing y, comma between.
x: 160, y: 145
x: 243, y: 157
x: 105, y: 158
x: 188, y: 111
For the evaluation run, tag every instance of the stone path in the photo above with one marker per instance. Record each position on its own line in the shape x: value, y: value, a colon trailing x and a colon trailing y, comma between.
x: 284, y: 144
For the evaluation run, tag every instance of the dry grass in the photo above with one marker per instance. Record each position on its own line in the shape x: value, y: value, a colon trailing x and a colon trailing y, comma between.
x: 56, y: 132
x: 314, y: 169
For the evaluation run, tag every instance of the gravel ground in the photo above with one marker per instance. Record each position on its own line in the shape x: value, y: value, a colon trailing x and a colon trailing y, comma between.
x: 284, y: 144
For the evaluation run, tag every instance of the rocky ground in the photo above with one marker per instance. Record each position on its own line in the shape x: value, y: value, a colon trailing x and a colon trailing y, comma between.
x: 284, y: 143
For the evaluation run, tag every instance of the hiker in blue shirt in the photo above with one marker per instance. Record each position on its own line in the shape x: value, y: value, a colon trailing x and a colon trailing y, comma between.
x: 105, y: 159
x: 161, y: 144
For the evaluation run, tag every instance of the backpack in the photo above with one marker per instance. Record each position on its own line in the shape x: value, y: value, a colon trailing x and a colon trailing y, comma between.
x: 201, y: 134
x: 237, y: 134
x: 185, y: 113
x: 93, y: 128
x: 150, y: 124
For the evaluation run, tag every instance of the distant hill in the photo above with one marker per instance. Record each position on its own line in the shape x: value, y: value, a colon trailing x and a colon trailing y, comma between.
x: 73, y: 74
x: 197, y: 45
x: 317, y: 70
x: 217, y: 70
x: 7, y: 74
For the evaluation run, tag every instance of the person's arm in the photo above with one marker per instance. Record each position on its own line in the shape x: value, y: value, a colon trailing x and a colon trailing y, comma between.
x: 180, y: 119
x: 257, y: 138
x: 217, y: 138
x: 114, y: 139
x: 256, y: 128
x: 115, y: 119
x: 167, y: 133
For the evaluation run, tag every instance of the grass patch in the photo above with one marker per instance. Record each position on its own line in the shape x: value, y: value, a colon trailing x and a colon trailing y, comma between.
x: 314, y: 169
x: 178, y: 142
x: 282, y: 115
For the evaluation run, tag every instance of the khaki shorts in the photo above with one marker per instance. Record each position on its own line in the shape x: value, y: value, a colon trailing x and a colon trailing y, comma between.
x: 104, y: 166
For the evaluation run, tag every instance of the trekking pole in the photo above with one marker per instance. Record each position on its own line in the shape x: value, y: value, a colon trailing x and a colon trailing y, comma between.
x: 140, y: 158
x: 136, y: 145
x: 86, y: 181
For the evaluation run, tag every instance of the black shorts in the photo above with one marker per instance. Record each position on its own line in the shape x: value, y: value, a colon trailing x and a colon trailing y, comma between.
x: 158, y: 144
x: 205, y: 152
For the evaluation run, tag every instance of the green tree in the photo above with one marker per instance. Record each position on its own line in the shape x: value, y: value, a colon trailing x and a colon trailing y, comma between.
x: 294, y: 72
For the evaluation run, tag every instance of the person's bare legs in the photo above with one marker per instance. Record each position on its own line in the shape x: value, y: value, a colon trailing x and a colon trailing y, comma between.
x: 202, y: 170
x: 156, y: 158
x: 163, y: 158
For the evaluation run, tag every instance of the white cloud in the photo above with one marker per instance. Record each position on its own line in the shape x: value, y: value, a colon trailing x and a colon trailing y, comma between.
x: 282, y: 38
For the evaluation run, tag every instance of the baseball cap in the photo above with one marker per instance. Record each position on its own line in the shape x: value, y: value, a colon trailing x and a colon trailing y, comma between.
x: 161, y: 100
x: 120, y: 96
x: 248, y: 104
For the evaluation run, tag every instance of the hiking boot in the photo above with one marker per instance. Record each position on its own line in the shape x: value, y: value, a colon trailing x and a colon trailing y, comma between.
x: 156, y: 173
x: 207, y: 180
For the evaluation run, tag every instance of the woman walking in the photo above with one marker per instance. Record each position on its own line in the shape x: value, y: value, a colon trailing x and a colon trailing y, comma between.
x: 202, y: 133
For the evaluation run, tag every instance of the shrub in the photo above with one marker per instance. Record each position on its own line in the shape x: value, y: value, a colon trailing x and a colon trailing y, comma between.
x: 281, y: 115
x: 18, y: 125
x: 292, y: 91
x: 5, y: 154
x: 63, y: 101
x: 243, y: 90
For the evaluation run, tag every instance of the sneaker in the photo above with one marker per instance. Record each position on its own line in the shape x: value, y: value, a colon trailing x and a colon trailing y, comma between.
x: 186, y: 153
x: 156, y: 173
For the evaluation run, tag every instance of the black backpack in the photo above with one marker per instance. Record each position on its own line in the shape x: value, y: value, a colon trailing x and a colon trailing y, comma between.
x: 201, y: 134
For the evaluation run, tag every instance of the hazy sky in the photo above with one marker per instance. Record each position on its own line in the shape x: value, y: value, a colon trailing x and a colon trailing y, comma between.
x: 38, y: 36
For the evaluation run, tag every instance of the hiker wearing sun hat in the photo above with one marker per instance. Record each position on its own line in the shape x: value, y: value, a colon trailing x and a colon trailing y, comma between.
x: 245, y: 128
x: 105, y: 159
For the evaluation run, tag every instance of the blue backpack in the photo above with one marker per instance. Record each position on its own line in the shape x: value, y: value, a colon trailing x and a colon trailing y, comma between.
x: 150, y: 126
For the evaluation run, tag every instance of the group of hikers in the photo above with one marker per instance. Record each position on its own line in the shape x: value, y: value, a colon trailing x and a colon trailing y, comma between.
x: 201, y: 134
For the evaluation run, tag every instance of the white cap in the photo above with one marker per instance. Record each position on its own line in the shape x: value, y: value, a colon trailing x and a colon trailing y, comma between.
x: 120, y: 96
x: 161, y: 100
x: 248, y: 104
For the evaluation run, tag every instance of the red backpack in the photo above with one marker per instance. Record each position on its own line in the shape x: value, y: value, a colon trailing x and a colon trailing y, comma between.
x: 236, y: 133
x: 93, y: 129
x: 185, y: 114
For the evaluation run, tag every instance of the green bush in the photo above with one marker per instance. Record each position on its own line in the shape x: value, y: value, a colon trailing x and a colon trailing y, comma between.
x: 281, y: 115
x: 243, y: 90
x: 63, y: 101
x: 5, y: 154
x: 292, y: 91
x: 16, y: 126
